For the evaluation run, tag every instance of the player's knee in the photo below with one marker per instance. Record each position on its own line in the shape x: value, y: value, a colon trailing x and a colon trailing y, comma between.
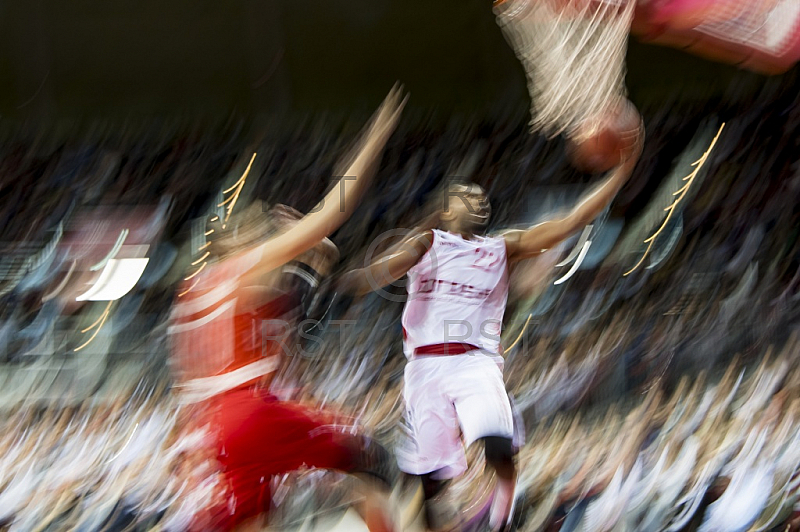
x: 499, y: 453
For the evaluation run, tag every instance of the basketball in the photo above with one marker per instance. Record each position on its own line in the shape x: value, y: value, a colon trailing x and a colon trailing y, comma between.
x: 599, y: 147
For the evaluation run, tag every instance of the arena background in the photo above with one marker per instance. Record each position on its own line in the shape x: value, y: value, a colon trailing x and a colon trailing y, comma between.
x: 133, y: 102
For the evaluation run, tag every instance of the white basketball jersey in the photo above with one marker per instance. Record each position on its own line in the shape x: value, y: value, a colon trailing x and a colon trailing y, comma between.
x: 457, y: 293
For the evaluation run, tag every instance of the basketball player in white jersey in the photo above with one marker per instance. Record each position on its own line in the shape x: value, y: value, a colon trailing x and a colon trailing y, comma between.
x: 457, y: 290
x: 225, y: 353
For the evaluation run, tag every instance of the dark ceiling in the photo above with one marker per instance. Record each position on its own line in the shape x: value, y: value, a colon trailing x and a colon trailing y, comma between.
x: 210, y: 60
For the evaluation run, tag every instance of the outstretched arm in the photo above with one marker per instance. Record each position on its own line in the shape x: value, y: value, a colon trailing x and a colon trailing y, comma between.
x: 341, y: 201
x: 388, y: 267
x: 527, y: 243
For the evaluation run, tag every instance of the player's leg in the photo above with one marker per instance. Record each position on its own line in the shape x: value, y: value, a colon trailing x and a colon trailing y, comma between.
x: 434, y: 452
x: 500, y: 455
x: 245, y: 441
x: 485, y: 414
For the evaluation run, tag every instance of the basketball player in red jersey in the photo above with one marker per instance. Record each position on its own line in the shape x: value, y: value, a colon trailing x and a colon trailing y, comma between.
x: 457, y: 291
x: 225, y: 353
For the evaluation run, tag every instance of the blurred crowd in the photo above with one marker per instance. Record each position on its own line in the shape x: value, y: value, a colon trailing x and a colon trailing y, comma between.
x: 663, y: 399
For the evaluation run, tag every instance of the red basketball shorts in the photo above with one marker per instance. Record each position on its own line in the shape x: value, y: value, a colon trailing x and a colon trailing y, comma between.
x: 258, y: 437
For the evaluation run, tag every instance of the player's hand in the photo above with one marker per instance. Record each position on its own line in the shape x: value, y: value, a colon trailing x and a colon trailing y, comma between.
x: 387, y: 116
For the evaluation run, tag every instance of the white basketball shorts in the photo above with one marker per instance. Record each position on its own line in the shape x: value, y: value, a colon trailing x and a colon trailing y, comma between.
x: 452, y: 401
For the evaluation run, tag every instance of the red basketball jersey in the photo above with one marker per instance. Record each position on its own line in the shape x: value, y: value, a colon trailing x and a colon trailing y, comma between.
x: 218, y: 343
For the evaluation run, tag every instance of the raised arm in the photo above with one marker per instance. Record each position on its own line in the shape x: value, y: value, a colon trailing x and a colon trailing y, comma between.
x: 529, y: 242
x: 341, y: 201
x: 388, y: 267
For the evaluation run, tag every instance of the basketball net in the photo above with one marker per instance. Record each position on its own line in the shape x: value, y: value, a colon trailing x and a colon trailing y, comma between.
x: 573, y: 53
